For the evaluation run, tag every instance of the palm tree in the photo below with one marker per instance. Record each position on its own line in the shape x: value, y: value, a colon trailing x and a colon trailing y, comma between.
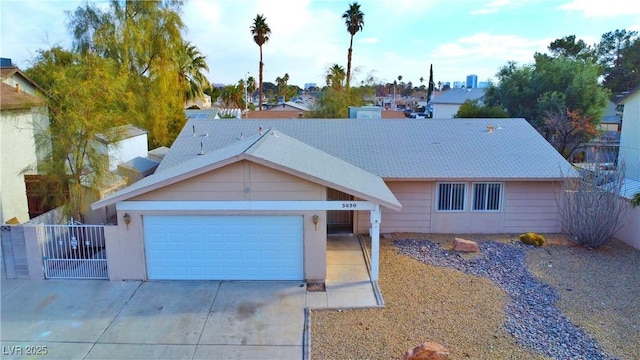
x: 191, y: 64
x: 335, y: 76
x: 260, y: 31
x: 251, y: 86
x: 354, y: 20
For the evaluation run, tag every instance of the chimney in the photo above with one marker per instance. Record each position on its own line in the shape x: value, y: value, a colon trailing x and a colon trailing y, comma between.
x: 489, y: 128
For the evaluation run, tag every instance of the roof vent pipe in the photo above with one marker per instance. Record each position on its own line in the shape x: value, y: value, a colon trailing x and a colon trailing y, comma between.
x: 260, y: 130
x: 18, y: 88
x: 194, y: 130
x: 489, y: 128
x: 201, y: 149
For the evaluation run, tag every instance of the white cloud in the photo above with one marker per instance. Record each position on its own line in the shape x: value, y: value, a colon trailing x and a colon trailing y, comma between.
x: 591, y: 8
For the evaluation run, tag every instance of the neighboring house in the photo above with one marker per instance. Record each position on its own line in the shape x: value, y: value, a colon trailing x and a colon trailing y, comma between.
x: 22, y: 116
x: 447, y: 103
x: 255, y: 199
x: 132, y: 143
x: 629, y: 155
x: 604, y: 148
x: 202, y: 103
x: 629, y: 158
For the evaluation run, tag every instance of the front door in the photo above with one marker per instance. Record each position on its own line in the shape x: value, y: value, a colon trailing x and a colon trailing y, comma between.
x: 339, y: 221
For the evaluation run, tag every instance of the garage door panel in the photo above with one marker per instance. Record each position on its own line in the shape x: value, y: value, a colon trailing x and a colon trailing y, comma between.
x: 224, y: 247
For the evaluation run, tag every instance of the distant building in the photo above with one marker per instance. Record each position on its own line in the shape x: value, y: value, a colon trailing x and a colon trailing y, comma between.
x: 483, y: 84
x: 459, y: 84
x: 472, y: 81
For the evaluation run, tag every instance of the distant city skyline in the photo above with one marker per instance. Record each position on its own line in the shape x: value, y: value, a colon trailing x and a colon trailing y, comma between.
x: 398, y: 37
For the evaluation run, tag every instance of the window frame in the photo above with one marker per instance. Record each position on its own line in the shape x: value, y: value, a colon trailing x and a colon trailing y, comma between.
x: 500, y: 195
x: 450, y: 201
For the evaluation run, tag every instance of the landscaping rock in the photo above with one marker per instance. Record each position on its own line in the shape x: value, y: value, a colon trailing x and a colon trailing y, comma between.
x: 463, y: 245
x: 427, y: 351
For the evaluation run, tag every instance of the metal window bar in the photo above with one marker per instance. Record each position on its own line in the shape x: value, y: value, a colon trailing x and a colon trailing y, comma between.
x: 74, y: 252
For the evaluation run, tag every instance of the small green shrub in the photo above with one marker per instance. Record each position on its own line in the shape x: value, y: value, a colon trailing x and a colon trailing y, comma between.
x: 532, y: 239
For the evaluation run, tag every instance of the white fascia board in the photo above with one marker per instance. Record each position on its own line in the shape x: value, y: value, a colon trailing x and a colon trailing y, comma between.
x: 243, y: 205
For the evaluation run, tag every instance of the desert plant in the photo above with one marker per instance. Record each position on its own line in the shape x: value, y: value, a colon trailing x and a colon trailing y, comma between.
x: 591, y: 207
x: 635, y: 200
x: 532, y: 239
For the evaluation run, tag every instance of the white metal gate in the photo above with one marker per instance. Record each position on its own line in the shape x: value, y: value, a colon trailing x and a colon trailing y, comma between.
x: 74, y: 252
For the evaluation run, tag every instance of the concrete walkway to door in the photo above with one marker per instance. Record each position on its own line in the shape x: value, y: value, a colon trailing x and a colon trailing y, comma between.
x: 348, y: 284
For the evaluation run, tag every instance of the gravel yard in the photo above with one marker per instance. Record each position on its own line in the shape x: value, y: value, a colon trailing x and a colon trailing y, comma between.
x: 511, y: 301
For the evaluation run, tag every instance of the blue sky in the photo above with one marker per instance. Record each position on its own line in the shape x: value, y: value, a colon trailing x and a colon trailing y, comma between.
x: 400, y: 37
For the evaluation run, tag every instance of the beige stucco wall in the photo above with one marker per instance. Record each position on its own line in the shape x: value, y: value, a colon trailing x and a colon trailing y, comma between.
x: 630, y: 231
x: 629, y: 154
x: 239, y: 181
x: 18, y: 151
x: 527, y: 206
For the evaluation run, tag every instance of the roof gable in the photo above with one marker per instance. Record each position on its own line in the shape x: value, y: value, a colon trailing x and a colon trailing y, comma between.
x: 275, y: 150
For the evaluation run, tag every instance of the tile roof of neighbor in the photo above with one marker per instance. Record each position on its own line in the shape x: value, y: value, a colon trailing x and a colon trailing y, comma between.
x: 9, y: 71
x: 408, y: 149
x: 273, y: 149
x: 458, y: 96
x: 10, y: 99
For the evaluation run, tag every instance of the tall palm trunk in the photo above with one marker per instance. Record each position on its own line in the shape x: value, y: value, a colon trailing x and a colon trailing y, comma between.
x: 349, y: 61
x: 260, y: 79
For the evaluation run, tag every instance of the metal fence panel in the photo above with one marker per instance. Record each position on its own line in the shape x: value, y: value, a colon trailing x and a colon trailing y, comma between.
x: 74, y: 252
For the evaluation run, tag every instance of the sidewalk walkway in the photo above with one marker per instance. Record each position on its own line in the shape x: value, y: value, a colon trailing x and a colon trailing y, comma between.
x: 348, y: 284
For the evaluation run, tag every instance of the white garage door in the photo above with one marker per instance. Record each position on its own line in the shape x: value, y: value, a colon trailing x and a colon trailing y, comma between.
x: 224, y: 247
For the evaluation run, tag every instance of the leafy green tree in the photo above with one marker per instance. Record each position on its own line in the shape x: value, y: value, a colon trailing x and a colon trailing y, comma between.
x: 354, y: 20
x: 144, y: 38
x: 556, y: 86
x: 261, y: 32
x: 87, y: 98
x: 472, y: 109
x: 619, y: 55
x: 520, y: 90
x: 635, y: 200
x: 569, y: 47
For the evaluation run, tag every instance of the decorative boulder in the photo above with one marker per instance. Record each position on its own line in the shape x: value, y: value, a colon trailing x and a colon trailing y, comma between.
x: 427, y: 351
x: 463, y: 245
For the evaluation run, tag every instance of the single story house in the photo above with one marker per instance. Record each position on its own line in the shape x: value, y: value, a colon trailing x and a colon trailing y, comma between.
x: 254, y: 199
x: 447, y: 103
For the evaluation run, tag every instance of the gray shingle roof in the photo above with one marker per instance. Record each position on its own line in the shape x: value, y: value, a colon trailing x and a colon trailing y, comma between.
x: 459, y: 96
x: 273, y: 149
x: 399, y: 149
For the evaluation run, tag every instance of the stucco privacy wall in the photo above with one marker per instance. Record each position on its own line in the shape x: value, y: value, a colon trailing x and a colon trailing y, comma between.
x: 240, y: 181
x: 630, y: 231
x: 527, y: 206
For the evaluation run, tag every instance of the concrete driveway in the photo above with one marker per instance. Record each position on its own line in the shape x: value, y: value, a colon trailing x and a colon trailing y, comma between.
x: 78, y: 319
